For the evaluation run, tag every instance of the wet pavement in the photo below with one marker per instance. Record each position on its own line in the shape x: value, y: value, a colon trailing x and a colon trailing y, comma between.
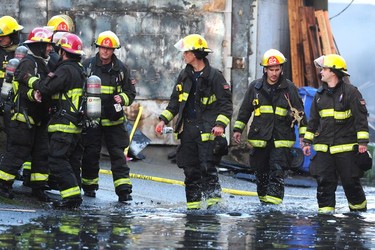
x: 157, y: 217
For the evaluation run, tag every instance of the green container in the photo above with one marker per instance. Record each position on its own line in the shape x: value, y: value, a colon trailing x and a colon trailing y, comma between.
x: 370, y: 174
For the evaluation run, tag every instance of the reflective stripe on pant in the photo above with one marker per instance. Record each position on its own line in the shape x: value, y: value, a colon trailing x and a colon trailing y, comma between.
x: 22, y: 144
x: 116, y: 139
x: 64, y: 148
x: 196, y: 159
x: 327, y: 169
x: 269, y: 164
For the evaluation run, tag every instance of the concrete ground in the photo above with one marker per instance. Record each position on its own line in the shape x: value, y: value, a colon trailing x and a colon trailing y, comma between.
x: 158, y: 184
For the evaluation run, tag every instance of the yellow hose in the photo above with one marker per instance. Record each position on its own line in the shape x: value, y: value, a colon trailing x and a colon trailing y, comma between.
x: 181, y: 183
x: 135, y: 125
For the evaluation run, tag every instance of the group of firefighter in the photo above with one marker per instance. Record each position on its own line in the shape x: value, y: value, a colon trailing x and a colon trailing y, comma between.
x: 57, y: 107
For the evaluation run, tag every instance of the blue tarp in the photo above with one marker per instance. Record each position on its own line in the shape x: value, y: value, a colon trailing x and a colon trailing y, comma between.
x: 307, y: 94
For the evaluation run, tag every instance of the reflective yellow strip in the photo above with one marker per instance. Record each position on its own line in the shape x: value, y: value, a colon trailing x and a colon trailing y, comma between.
x: 309, y: 136
x: 71, y: 128
x: 121, y: 231
x: 107, y: 122
x: 193, y: 205
x: 26, y: 165
x: 70, y: 230
x: 213, y: 201
x: 338, y: 115
x: 284, y: 143
x: 320, y: 147
x: 326, y: 210
x: 302, y: 130
x: 6, y: 177
x: 38, y: 177
x: 179, y: 87
x: 266, y: 109
x: 183, y: 97
x: 326, y: 112
x: 341, y: 115
x: 341, y: 148
x: 363, y: 205
x: 2, y: 74
x: 207, y: 137
x: 209, y: 100
x: 258, y: 143
x: 30, y: 95
x: 168, y: 115
x: 240, y: 125
x: 74, y: 191
x: 126, y: 99
x: 21, y: 118
x: 223, y: 119
x: 15, y: 86
x: 107, y: 90
x: 281, y: 111
x: 90, y: 181
x: 122, y: 181
x: 271, y: 199
x: 74, y: 95
x: 363, y: 135
x: 31, y: 81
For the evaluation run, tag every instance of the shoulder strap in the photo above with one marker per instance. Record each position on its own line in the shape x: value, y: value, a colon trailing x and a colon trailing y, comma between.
x: 89, y: 69
x: 320, y: 90
x: 31, y: 58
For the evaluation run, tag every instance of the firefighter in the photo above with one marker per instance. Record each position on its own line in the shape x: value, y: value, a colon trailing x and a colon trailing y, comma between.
x: 65, y: 86
x: 202, y: 102
x: 117, y: 91
x: 61, y: 22
x: 9, y: 40
x: 27, y: 135
x: 277, y: 108
x: 60, y: 25
x: 338, y: 130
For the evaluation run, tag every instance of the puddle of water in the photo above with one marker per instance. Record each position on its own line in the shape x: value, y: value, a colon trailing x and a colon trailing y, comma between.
x: 258, y: 227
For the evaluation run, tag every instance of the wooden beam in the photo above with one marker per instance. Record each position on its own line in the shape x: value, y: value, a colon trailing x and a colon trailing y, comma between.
x: 330, y: 34
x: 323, y: 31
x: 295, y: 40
x: 309, y: 68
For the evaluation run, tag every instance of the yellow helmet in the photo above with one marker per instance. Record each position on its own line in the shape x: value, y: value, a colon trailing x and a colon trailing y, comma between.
x: 61, y: 23
x: 191, y: 43
x: 332, y: 61
x: 272, y: 57
x: 108, y: 39
x: 9, y: 25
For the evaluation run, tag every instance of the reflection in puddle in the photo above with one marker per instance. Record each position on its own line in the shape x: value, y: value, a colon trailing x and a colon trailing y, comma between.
x: 261, y: 228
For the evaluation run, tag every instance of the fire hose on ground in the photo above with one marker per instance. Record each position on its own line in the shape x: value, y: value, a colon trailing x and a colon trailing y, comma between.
x: 181, y: 183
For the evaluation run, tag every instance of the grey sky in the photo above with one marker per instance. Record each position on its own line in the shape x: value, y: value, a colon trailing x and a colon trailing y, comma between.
x: 354, y: 33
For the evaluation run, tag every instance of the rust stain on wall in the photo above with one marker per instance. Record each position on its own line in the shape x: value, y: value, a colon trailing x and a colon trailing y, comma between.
x: 215, y: 5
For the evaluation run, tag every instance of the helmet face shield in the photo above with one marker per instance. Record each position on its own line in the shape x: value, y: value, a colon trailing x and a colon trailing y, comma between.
x: 332, y: 61
x: 180, y: 45
x: 318, y: 62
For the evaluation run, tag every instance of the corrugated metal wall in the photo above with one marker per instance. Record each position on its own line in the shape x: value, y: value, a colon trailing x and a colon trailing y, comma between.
x: 238, y: 31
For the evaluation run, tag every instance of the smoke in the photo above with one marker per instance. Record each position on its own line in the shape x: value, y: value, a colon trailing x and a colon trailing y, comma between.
x: 354, y: 33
